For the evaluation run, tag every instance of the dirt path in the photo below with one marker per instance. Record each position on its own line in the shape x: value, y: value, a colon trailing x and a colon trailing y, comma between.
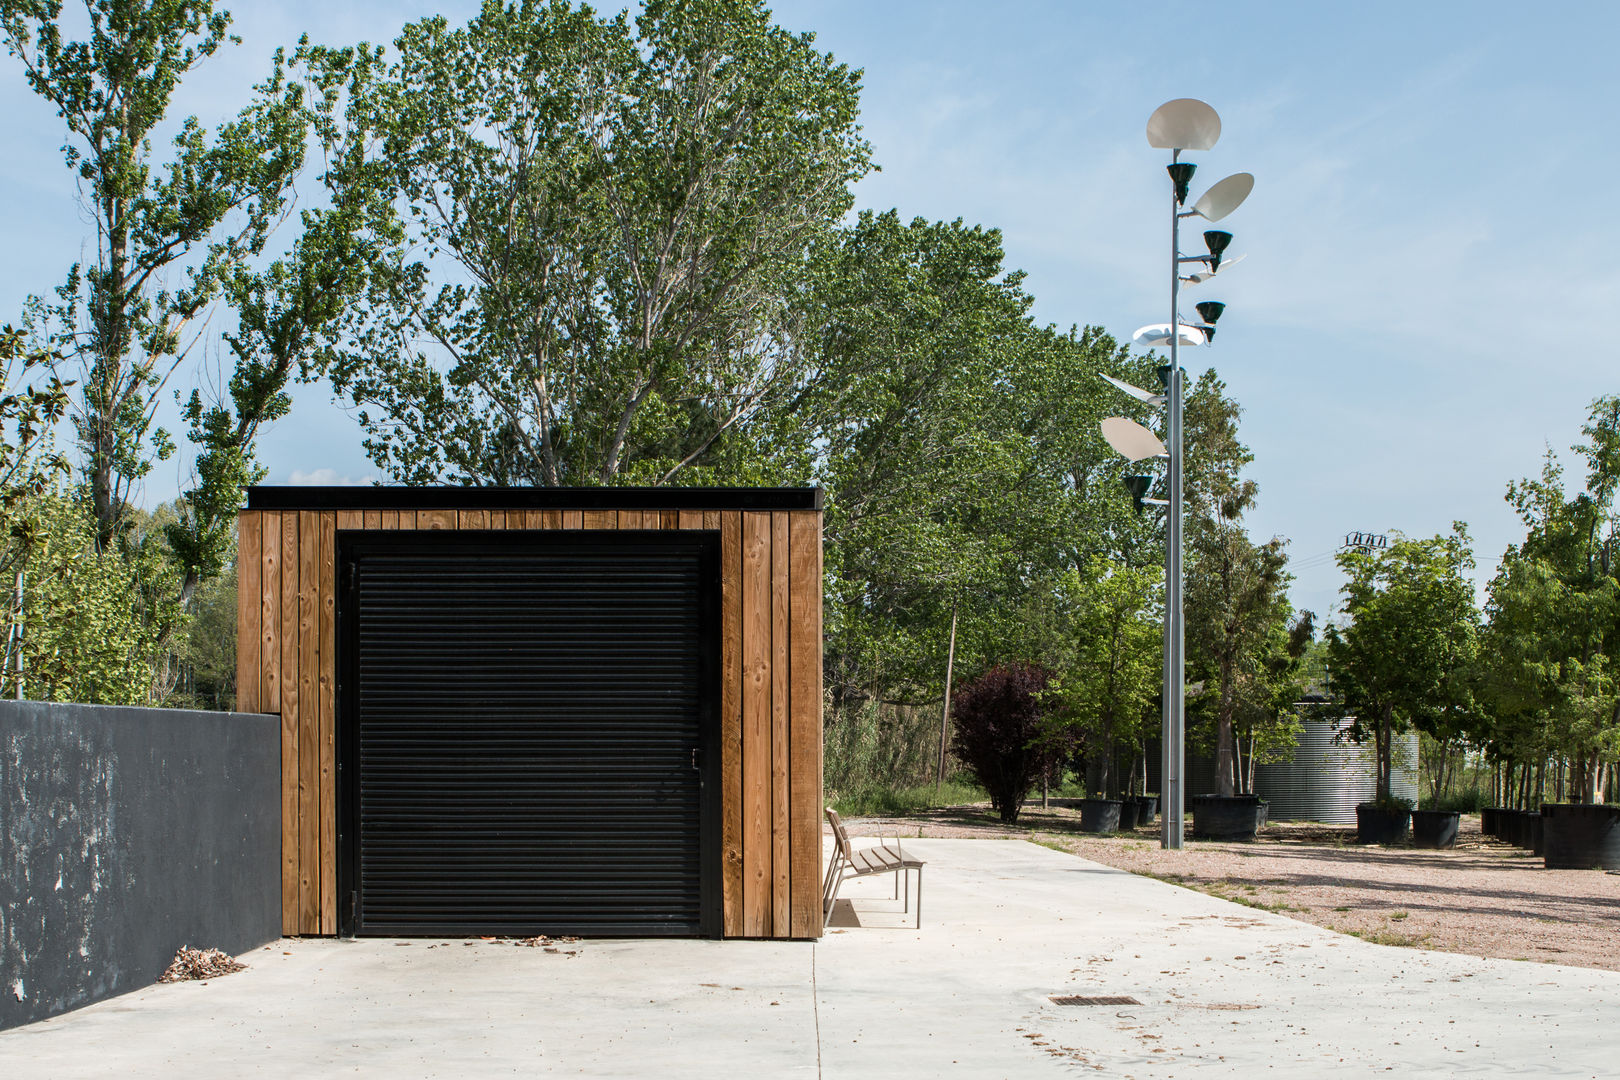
x: 1485, y: 898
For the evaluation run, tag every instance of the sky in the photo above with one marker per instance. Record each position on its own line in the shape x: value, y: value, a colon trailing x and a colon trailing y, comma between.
x: 1421, y: 312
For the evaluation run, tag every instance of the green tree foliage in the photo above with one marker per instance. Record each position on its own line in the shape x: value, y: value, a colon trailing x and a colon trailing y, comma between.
x: 1110, y: 680
x: 94, y: 622
x: 1405, y: 655
x: 168, y: 233
x: 206, y: 660
x: 1549, y: 682
x: 30, y: 407
x: 1266, y: 722
x: 1237, y: 610
x: 596, y: 227
x: 960, y: 448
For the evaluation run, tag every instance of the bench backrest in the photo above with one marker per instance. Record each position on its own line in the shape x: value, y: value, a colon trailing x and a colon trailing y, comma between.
x: 840, y: 837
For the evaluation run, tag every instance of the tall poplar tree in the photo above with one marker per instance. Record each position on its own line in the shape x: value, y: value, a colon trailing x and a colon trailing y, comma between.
x: 170, y: 228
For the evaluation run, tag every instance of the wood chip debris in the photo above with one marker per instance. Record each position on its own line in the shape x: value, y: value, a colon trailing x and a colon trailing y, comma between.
x: 547, y: 944
x: 190, y: 964
x: 541, y: 941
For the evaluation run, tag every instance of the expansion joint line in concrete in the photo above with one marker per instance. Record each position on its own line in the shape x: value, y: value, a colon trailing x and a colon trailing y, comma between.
x: 815, y: 1005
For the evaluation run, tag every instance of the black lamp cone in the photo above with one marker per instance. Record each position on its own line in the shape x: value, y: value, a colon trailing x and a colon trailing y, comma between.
x: 1181, y: 174
x: 1210, y: 311
x: 1216, y: 241
x: 1138, y: 487
x: 1163, y: 371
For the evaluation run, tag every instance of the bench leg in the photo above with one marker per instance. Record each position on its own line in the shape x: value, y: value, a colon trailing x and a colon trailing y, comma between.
x: 919, y: 897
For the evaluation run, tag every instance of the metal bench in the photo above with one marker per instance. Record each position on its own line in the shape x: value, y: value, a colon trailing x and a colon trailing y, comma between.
x: 850, y: 862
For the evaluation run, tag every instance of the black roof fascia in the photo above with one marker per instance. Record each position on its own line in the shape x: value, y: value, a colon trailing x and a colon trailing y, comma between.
x: 264, y: 497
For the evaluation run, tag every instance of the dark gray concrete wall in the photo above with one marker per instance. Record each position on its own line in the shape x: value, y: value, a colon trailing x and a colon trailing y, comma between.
x: 125, y: 834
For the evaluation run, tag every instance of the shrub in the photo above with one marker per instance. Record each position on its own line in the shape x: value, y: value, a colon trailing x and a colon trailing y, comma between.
x: 998, y: 732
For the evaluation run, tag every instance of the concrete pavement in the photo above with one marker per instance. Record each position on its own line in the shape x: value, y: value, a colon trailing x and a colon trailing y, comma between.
x: 1223, y: 990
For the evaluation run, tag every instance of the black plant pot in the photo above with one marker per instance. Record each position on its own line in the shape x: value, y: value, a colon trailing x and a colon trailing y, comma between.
x: 1579, y: 836
x: 1509, y: 825
x: 1099, y: 815
x: 1522, y: 834
x: 1537, y: 833
x: 1380, y: 825
x: 1128, y: 810
x: 1435, y: 828
x: 1147, y: 808
x: 1227, y: 817
x: 1487, y: 820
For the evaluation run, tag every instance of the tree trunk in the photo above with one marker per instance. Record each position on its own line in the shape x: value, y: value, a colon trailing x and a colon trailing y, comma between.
x: 101, y: 484
x: 1385, y: 740
x: 1225, y: 751
x: 945, y: 711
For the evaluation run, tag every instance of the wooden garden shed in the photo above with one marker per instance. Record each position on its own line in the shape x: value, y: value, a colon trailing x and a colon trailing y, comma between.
x: 540, y: 710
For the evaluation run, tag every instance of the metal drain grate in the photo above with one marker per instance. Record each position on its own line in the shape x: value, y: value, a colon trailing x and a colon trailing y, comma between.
x: 1093, y: 999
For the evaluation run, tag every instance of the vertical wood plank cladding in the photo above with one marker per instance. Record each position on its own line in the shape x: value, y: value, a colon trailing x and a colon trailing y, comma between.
x: 309, y: 743
x: 781, y: 884
x: 248, y: 524
x: 270, y: 702
x: 731, y: 831
x: 804, y: 721
x: 326, y: 593
x: 756, y: 722
x: 770, y: 696
x: 287, y: 682
x: 341, y: 520
x: 270, y: 612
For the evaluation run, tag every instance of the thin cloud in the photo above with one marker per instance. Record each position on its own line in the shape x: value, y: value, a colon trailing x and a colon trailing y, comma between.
x: 326, y: 478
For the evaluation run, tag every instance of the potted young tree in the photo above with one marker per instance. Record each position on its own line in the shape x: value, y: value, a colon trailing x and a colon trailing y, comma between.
x: 1555, y: 626
x: 1100, y: 698
x: 1403, y: 655
x: 1237, y: 608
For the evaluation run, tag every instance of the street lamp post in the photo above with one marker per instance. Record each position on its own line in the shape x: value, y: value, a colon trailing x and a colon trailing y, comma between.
x: 1182, y: 124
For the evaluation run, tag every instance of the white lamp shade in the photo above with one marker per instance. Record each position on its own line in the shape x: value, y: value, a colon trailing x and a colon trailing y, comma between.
x: 1198, y: 277
x: 1131, y: 439
x: 1157, y: 335
x: 1184, y: 124
x: 1135, y: 391
x: 1225, y: 197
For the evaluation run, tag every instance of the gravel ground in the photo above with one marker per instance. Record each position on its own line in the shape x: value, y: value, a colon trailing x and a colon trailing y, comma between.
x: 1484, y: 898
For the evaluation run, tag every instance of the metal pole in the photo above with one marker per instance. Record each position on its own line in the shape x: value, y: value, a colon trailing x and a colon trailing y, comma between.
x: 19, y: 632
x: 945, y: 713
x: 1174, y: 672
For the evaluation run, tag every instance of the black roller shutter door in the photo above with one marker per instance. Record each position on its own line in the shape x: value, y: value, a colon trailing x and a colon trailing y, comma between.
x: 532, y: 720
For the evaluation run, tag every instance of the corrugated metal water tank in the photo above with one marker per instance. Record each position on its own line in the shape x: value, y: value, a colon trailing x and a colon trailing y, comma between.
x: 1324, y: 781
x: 1327, y: 779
